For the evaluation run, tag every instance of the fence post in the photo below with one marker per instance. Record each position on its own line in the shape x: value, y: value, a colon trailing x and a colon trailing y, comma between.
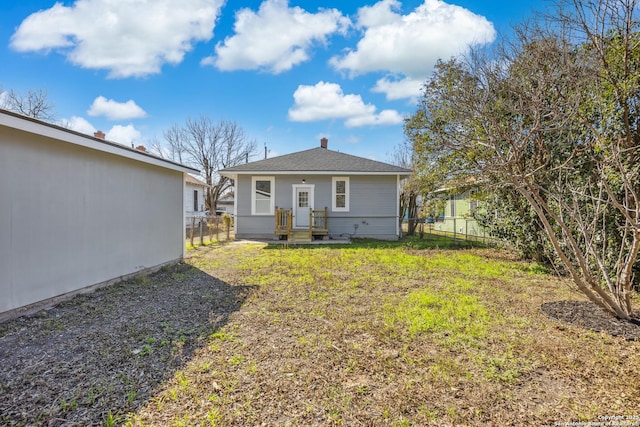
x: 201, y: 234
x: 227, y: 223
x: 193, y: 225
x: 454, y: 229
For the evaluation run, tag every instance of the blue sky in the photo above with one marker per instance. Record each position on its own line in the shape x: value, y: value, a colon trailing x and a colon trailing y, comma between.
x: 288, y: 72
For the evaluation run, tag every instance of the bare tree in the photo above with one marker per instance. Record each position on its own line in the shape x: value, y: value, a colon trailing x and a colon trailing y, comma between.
x: 554, y: 116
x: 34, y: 104
x: 210, y: 147
x: 403, y: 156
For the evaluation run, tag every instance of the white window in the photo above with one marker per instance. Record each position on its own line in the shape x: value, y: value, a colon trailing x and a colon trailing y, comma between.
x: 340, y: 194
x: 263, y: 195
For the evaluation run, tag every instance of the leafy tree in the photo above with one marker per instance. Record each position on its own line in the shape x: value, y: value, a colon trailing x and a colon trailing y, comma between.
x: 510, y: 218
x: 210, y: 146
x: 553, y: 117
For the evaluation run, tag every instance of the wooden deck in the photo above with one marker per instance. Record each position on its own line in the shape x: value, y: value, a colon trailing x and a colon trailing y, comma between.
x: 318, y: 225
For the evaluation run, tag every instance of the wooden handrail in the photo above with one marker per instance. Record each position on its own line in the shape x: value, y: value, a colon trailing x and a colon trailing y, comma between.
x: 318, y: 222
x: 284, y: 220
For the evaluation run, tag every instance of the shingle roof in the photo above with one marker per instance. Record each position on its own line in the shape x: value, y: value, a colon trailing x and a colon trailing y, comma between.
x: 317, y: 160
x: 195, y: 181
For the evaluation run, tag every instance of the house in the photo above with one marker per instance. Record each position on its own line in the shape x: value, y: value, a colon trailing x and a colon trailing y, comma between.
x: 318, y: 192
x: 457, y: 207
x: 194, y: 198
x: 226, y: 203
x: 77, y: 212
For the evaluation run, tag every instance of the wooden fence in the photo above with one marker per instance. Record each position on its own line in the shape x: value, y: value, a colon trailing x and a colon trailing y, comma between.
x: 212, y: 228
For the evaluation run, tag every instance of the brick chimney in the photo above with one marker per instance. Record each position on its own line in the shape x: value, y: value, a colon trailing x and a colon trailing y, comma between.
x: 141, y: 148
x: 324, y: 142
x: 99, y: 134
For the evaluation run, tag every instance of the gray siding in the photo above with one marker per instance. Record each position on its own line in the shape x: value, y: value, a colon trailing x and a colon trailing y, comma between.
x: 372, y: 213
x: 72, y: 217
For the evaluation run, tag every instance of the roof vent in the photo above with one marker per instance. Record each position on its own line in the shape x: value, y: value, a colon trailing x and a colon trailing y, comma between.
x: 324, y: 142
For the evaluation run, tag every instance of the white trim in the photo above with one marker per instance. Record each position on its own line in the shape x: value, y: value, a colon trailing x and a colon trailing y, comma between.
x: 347, y: 186
x: 398, y: 192
x: 235, y: 207
x: 184, y: 217
x: 328, y: 172
x: 272, y: 200
x: 294, y: 188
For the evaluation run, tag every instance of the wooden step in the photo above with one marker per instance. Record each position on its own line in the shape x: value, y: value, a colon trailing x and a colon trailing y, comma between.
x: 300, y: 236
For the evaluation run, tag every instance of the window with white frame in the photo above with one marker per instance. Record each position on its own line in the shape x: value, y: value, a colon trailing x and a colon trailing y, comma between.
x: 340, y: 194
x: 263, y: 195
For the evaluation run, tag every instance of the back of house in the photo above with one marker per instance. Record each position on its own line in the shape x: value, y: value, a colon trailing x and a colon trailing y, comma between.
x: 357, y: 196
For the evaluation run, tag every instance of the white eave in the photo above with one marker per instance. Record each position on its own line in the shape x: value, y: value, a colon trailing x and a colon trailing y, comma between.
x: 328, y: 172
x: 37, y: 127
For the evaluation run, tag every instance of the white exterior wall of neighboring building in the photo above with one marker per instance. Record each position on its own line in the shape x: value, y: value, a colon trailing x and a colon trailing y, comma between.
x: 76, y: 212
x: 193, y: 194
x: 193, y: 199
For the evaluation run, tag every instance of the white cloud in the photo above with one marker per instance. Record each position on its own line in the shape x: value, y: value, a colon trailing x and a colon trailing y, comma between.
x: 276, y: 37
x: 4, y: 99
x: 123, y: 134
x: 115, y: 110
x: 399, y: 88
x: 327, y: 101
x: 128, y: 38
x: 410, y: 45
x: 385, y: 117
x: 79, y: 124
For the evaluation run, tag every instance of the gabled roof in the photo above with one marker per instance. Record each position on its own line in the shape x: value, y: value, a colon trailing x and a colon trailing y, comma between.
x: 316, y: 161
x: 190, y: 179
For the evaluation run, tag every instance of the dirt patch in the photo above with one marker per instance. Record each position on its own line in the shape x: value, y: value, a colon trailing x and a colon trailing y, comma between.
x: 105, y: 353
x: 588, y: 315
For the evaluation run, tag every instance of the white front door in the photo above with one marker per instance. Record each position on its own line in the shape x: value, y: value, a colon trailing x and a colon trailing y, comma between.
x: 302, y: 205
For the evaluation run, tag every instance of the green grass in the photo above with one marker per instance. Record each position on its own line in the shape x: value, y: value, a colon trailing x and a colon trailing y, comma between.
x: 451, y: 313
x: 416, y: 332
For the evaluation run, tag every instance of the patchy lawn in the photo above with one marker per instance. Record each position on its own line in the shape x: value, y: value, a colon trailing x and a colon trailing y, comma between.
x: 370, y: 334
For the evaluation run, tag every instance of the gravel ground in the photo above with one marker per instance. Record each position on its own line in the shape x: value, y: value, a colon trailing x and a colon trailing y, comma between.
x: 104, y: 353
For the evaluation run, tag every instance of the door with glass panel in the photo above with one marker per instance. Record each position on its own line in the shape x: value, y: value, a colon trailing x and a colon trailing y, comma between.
x: 302, y: 206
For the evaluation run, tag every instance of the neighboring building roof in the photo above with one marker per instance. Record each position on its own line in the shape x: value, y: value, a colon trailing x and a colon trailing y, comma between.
x: 319, y: 161
x: 37, y: 127
x: 229, y: 196
x: 463, y: 184
x: 195, y: 181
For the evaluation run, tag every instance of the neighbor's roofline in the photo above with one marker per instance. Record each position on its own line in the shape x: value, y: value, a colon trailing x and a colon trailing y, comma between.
x: 326, y: 172
x: 49, y: 130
